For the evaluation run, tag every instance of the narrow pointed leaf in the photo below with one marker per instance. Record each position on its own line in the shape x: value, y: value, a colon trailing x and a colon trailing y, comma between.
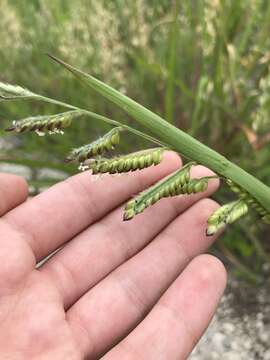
x: 176, y: 139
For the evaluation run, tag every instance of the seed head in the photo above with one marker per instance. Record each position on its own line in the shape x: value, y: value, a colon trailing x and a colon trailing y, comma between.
x: 226, y: 214
x: 106, y: 143
x: 126, y: 163
x: 14, y: 92
x: 174, y: 184
x: 52, y: 124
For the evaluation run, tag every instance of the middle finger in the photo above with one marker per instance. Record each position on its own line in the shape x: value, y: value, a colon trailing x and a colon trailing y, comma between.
x: 97, y: 251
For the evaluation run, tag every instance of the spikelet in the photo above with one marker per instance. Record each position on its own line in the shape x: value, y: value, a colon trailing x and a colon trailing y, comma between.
x: 127, y: 163
x: 245, y: 196
x: 226, y: 214
x: 266, y: 219
x: 194, y: 186
x: 176, y: 184
x: 47, y: 123
x: 106, y: 143
x: 14, y: 92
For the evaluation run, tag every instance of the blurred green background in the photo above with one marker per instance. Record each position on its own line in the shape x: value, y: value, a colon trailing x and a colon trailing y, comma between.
x: 201, y: 64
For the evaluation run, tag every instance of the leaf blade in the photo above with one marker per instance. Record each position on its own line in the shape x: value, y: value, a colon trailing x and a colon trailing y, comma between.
x: 176, y: 139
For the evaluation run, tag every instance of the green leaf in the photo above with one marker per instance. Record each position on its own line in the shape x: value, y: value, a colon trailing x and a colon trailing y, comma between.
x: 167, y: 133
x: 176, y: 139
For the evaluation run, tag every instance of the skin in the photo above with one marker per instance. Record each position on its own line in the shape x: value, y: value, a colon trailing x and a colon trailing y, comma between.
x: 114, y: 290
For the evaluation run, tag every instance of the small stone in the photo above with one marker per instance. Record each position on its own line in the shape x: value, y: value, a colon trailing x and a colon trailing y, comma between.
x: 266, y: 355
x: 266, y: 267
x: 218, y: 341
x: 247, y: 344
x: 228, y: 327
x: 20, y: 170
x: 53, y: 174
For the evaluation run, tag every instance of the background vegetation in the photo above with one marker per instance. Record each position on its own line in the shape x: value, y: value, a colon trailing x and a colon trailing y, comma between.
x: 202, y: 64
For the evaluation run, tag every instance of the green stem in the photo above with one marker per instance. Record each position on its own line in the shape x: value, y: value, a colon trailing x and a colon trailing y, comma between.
x: 249, y: 233
x: 103, y: 118
x: 169, y: 96
x: 236, y: 262
x: 178, y: 140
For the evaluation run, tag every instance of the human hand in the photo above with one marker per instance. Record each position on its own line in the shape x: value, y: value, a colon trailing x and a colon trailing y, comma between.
x: 121, y: 290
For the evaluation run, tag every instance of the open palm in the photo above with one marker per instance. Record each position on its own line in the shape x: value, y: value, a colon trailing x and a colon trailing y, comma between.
x: 114, y: 289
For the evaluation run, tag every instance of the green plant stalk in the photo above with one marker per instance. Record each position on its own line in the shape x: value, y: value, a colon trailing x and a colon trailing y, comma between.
x: 249, y: 233
x: 198, y: 106
x: 169, y: 96
x: 101, y: 118
x: 178, y: 140
x: 239, y: 265
x: 159, y: 71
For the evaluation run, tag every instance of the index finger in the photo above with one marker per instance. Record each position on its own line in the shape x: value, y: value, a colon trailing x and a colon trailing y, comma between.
x: 58, y: 214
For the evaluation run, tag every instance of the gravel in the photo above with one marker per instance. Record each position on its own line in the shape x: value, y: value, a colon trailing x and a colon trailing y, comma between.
x: 240, y: 330
x: 20, y: 170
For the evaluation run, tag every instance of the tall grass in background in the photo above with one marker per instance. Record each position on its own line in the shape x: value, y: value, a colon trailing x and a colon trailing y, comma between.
x: 203, y: 65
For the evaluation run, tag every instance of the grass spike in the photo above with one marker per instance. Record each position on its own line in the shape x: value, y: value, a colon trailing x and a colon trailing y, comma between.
x: 106, y: 143
x: 253, y: 203
x: 131, y: 162
x: 174, y: 184
x: 226, y: 214
x: 14, y: 92
x: 47, y: 123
